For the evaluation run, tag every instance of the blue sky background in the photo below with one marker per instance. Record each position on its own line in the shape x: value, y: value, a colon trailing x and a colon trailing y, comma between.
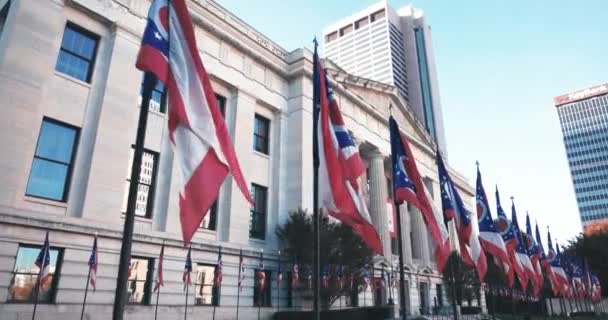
x: 499, y: 64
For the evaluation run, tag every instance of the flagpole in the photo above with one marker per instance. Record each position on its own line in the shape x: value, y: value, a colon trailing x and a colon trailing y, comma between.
x: 156, y: 307
x: 120, y: 296
x: 279, y: 284
x: 37, y: 288
x: 238, y: 292
x: 402, y: 310
x: 186, y: 302
x: 316, y: 161
x: 86, y: 291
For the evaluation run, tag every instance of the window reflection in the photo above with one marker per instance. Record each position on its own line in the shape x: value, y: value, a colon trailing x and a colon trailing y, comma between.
x: 139, y: 284
x: 206, y: 294
x: 25, y: 274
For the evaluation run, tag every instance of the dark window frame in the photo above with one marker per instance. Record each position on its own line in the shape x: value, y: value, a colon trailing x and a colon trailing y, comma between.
x: 213, y: 214
x: 267, y: 293
x: 261, y: 214
x: 259, y: 138
x: 91, y: 35
x: 56, y: 275
x: 151, y: 186
x: 147, y: 298
x: 68, y: 179
x: 215, y: 292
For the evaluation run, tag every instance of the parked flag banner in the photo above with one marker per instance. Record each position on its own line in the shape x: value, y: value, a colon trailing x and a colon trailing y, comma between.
x: 544, y: 261
x: 203, y: 149
x: 93, y: 262
x: 365, y: 275
x: 521, y: 253
x: 279, y: 275
x: 325, y: 276
x: 241, y: 270
x: 468, y: 234
x: 596, y: 289
x: 159, y: 271
x: 534, y: 254
x: 559, y: 272
x: 340, y: 165
x: 491, y: 240
x: 186, y: 277
x: 43, y: 261
x: 408, y: 186
x: 217, y: 283
x: 505, y: 227
x: 340, y: 277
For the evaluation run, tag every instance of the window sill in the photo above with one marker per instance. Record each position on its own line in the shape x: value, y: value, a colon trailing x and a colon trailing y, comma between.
x: 48, y: 202
x: 137, y: 218
x: 263, y: 155
x: 70, y: 78
x: 208, y: 231
x: 257, y: 241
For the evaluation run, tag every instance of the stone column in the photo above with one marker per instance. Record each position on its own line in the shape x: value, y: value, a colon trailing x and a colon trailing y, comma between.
x: 377, y: 199
x: 419, y: 237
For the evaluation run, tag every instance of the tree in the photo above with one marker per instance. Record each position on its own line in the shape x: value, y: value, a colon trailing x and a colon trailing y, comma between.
x: 466, y: 283
x: 339, y: 247
x: 592, y: 247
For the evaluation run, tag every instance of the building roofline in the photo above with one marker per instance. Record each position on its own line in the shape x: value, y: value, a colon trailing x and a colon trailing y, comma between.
x: 354, y: 17
x: 581, y: 94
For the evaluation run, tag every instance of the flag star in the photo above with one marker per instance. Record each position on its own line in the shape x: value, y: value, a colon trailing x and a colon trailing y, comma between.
x: 157, y: 35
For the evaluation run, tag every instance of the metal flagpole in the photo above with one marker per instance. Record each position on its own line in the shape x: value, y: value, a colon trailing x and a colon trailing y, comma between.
x: 86, y: 291
x: 120, y: 296
x: 186, y: 302
x: 315, y: 149
x: 156, y: 306
x: 37, y: 288
x: 402, y: 310
x: 238, y: 292
x: 279, y: 284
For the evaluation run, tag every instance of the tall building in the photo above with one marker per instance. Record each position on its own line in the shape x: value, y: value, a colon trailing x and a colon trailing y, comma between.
x: 393, y: 47
x: 70, y: 99
x: 583, y: 116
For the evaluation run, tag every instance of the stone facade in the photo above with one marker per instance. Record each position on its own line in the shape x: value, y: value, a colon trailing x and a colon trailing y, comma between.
x: 256, y: 77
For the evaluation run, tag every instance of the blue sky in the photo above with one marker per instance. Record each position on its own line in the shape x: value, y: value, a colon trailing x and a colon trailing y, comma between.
x: 499, y: 64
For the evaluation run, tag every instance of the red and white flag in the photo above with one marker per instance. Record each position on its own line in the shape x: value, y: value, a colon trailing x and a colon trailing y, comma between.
x: 204, y: 152
x: 241, y: 270
x: 93, y: 262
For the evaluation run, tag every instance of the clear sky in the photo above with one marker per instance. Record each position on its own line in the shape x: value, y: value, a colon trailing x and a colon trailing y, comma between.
x: 499, y: 64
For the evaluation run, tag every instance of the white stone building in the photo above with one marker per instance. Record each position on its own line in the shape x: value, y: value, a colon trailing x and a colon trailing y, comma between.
x: 70, y: 97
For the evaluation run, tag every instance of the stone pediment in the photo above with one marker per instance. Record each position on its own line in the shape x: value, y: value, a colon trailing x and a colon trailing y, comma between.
x: 383, y: 100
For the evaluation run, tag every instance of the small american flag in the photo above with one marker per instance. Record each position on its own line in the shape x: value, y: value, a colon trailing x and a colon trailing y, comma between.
x: 44, y: 261
x: 159, y: 275
x: 295, y: 274
x: 93, y: 261
x: 187, y: 270
x: 262, y: 274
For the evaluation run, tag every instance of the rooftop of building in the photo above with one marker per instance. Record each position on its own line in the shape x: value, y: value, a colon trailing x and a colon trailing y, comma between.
x: 581, y: 94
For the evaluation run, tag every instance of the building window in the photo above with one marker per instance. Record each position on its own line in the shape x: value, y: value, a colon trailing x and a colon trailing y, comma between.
x: 210, y: 220
x: 361, y: 23
x: 53, y: 161
x: 261, y: 298
x: 378, y: 15
x: 439, y: 289
x: 4, y: 15
x: 146, y: 186
x: 25, y: 274
x: 261, y: 133
x: 395, y: 244
x: 221, y: 103
x: 140, y: 280
x: 346, y: 30
x: 77, y: 53
x: 206, y: 293
x: 257, y: 219
x: 157, y: 100
x: 331, y: 37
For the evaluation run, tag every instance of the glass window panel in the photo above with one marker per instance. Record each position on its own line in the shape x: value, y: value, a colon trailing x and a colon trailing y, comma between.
x: 47, y: 179
x: 145, y: 189
x: 25, y: 274
x: 77, y: 53
x: 205, y: 293
x: 138, y: 284
x: 56, y: 142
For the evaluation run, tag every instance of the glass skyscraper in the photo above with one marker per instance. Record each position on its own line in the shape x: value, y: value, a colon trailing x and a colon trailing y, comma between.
x: 583, y: 116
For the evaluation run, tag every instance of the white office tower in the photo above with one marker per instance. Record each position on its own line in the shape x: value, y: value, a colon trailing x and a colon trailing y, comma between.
x: 392, y: 47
